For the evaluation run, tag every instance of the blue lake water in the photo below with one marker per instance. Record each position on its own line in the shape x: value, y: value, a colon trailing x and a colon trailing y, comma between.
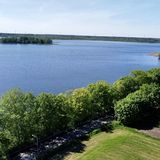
x: 70, y: 64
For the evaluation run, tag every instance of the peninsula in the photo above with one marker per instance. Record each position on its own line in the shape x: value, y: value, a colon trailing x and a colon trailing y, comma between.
x: 156, y: 54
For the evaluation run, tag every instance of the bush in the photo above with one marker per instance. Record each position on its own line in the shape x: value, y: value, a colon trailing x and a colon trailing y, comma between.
x: 129, y: 84
x: 124, y: 86
x: 107, y: 126
x: 101, y: 98
x: 154, y: 74
x: 141, y: 77
x: 140, y: 106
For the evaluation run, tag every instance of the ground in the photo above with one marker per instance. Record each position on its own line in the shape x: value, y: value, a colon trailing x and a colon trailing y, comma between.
x: 154, y: 132
x: 121, y: 144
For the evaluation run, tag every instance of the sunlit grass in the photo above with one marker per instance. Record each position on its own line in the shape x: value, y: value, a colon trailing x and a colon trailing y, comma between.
x: 122, y: 144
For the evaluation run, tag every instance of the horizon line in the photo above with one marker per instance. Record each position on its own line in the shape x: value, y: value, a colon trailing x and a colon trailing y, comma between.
x: 80, y: 35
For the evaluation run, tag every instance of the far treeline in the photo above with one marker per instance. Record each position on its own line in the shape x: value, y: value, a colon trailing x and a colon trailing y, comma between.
x: 25, y: 40
x: 132, y: 100
x: 81, y: 37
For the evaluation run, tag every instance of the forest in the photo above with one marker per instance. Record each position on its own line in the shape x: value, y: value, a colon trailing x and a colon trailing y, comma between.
x: 25, y: 40
x: 132, y: 100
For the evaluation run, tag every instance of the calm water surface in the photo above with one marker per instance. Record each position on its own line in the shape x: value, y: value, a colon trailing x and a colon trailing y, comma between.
x: 70, y: 64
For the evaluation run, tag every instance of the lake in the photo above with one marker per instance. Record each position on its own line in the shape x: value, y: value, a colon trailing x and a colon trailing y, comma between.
x: 70, y: 64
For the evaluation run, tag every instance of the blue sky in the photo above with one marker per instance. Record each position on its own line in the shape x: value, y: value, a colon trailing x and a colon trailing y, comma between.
x: 85, y: 17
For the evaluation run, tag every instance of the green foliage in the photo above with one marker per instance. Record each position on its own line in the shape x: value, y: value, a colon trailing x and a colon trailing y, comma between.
x: 26, y: 40
x: 94, y: 132
x: 23, y: 115
x: 95, y: 100
x: 16, y: 108
x: 80, y: 101
x: 116, y: 124
x: 52, y: 113
x: 155, y: 75
x: 141, y: 77
x: 101, y: 98
x: 124, y: 86
x: 7, y: 141
x: 140, y: 106
x: 107, y: 127
x: 129, y: 84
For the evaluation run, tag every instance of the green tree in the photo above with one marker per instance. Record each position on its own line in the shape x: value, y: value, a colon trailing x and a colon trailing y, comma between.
x: 154, y: 74
x: 16, y: 108
x: 101, y: 98
x: 52, y: 113
x: 81, y: 104
x: 124, y: 86
x: 141, y: 77
x: 7, y: 141
x: 140, y: 106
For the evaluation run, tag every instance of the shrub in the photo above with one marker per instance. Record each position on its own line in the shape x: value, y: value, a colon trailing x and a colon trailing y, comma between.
x: 124, y: 86
x: 129, y: 84
x: 140, y: 106
x: 154, y: 74
x: 141, y: 77
x: 107, y: 126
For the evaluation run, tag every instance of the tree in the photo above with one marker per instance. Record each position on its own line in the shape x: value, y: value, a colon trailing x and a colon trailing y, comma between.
x: 124, y: 86
x: 140, y: 106
x: 154, y: 74
x: 101, y: 98
x: 7, y: 141
x: 81, y: 103
x: 16, y: 108
x: 52, y: 113
x: 141, y: 77
x: 26, y: 40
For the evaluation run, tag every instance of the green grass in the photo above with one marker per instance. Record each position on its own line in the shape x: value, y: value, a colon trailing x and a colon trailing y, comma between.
x: 122, y: 144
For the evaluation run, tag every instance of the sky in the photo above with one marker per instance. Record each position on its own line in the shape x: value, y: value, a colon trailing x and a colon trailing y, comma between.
x: 140, y: 18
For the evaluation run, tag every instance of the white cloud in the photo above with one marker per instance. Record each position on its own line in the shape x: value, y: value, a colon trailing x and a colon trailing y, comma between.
x: 90, y: 17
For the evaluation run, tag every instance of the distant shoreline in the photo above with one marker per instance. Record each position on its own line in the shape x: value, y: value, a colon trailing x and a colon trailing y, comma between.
x: 84, y: 37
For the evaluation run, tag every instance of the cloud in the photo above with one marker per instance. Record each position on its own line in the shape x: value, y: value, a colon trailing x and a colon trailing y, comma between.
x: 90, y: 17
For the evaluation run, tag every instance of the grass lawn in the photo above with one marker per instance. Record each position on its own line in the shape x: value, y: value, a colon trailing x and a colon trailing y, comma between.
x: 122, y: 144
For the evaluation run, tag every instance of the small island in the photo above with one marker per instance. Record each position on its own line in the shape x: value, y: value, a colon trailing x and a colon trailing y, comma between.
x: 25, y: 40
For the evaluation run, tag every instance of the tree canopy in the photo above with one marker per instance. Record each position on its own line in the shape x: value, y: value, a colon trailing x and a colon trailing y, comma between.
x: 133, y: 99
x: 25, y: 40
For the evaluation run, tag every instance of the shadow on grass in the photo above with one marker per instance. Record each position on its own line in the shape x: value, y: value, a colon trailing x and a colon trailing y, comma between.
x: 147, y: 125
x: 75, y: 147
x: 107, y: 127
x: 78, y: 146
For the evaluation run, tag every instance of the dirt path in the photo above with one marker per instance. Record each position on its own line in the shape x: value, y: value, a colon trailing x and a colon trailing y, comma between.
x: 154, y: 132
